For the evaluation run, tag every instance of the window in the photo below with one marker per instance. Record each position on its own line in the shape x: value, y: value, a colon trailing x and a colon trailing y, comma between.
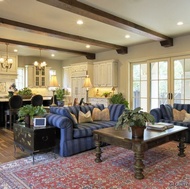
x: 20, y: 79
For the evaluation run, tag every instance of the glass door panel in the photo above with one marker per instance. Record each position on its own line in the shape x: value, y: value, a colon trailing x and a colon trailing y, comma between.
x: 159, y: 83
x: 139, y: 86
x: 181, y: 80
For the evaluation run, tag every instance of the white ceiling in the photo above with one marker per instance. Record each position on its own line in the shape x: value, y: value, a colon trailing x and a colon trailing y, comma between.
x: 158, y: 15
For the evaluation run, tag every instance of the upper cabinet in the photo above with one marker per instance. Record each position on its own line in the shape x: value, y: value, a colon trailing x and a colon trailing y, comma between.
x: 67, y: 77
x: 36, y: 77
x: 75, y: 71
x: 105, y: 73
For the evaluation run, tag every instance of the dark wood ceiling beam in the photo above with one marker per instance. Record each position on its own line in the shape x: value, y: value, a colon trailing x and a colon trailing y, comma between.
x: 96, y: 14
x: 90, y: 56
x: 58, y: 34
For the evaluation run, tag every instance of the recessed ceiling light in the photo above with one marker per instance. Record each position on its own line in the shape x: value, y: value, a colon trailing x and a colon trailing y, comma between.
x: 52, y: 55
x: 127, y: 36
x: 79, y: 22
x: 88, y: 46
x: 1, y: 0
x: 15, y: 50
x: 180, y: 23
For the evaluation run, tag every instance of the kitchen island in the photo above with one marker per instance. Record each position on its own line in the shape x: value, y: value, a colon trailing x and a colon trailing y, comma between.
x: 4, y: 105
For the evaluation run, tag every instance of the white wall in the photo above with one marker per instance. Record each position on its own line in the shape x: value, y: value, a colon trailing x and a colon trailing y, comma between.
x: 136, y: 53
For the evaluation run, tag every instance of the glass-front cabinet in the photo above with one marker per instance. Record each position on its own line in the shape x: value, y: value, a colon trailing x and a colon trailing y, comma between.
x: 39, y: 77
x: 36, y: 77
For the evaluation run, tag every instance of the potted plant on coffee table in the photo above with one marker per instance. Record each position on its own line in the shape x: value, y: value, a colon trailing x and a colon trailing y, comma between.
x: 28, y: 112
x: 135, y: 120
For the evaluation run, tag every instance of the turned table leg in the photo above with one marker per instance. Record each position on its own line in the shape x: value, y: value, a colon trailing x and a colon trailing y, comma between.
x: 98, y: 149
x: 138, y: 165
x: 181, y: 146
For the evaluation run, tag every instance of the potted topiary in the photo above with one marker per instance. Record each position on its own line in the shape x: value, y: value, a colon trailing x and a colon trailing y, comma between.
x: 118, y: 99
x: 28, y: 112
x: 136, y: 120
x: 60, y: 93
x: 26, y: 93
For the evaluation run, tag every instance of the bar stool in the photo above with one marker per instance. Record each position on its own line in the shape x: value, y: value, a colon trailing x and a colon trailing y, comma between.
x: 37, y: 100
x: 15, y: 102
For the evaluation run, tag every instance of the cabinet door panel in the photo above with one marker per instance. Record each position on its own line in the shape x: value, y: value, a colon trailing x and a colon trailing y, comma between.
x: 105, y: 74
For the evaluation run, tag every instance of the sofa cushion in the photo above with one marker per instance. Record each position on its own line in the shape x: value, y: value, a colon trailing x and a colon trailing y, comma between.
x: 86, y: 108
x: 167, y: 111
x: 74, y: 110
x: 187, y: 118
x: 179, y: 115
x: 84, y: 117
x: 115, y: 111
x: 98, y: 115
x: 182, y: 106
x: 86, y: 129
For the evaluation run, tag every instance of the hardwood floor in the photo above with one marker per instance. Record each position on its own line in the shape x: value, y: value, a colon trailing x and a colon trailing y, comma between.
x: 7, y: 147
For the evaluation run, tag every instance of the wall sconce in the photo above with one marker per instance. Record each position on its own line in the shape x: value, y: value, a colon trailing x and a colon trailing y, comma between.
x: 53, y: 86
x: 6, y: 63
x: 40, y: 65
x: 87, y: 84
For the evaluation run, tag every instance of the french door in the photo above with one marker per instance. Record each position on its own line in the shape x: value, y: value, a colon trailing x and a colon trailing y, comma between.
x: 163, y: 81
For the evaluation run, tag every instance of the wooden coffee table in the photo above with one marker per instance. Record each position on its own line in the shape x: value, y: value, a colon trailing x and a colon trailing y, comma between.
x: 123, y: 138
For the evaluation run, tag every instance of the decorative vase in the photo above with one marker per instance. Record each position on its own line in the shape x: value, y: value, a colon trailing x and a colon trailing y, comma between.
x: 60, y: 103
x: 138, y: 132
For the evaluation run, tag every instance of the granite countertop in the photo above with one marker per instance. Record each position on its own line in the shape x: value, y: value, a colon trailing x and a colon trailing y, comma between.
x: 97, y: 97
x: 6, y: 99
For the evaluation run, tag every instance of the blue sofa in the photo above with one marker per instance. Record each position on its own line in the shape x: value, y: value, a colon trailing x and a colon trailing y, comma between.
x: 76, y: 138
x: 165, y: 114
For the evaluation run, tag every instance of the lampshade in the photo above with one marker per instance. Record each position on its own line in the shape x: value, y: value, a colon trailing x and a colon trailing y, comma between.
x: 53, y: 81
x: 87, y: 83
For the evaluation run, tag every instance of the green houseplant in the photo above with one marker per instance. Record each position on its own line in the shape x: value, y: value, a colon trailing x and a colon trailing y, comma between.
x: 106, y: 94
x: 118, y: 99
x: 60, y: 94
x: 25, y: 92
x: 136, y: 120
x: 28, y: 112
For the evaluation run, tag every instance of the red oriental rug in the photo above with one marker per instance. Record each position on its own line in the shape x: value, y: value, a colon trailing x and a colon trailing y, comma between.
x: 163, y: 169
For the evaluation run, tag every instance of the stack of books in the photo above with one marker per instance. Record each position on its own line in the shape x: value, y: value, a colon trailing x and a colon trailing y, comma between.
x: 160, y: 126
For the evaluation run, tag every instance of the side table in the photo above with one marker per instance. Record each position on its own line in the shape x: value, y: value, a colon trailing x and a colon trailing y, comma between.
x: 34, y: 139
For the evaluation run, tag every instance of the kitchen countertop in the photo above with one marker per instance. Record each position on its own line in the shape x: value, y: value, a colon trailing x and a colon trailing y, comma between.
x: 6, y: 99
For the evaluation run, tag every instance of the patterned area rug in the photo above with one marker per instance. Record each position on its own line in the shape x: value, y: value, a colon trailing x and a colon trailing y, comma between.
x: 163, y: 169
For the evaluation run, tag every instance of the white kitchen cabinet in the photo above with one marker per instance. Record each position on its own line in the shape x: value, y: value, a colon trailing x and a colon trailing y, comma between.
x: 67, y: 77
x: 105, y: 73
x: 36, y: 77
x: 77, y: 90
x: 78, y: 74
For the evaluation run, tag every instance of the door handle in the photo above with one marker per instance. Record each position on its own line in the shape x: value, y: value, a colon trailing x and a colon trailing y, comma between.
x: 168, y: 95
x: 171, y: 96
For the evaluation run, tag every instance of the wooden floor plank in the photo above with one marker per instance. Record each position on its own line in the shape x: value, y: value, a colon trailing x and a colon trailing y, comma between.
x: 7, y: 147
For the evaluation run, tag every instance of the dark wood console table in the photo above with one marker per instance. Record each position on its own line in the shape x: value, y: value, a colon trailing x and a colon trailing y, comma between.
x: 123, y: 138
x: 34, y: 140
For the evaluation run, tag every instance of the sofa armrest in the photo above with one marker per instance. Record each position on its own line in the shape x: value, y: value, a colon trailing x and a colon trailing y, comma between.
x: 59, y: 121
x: 156, y: 112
